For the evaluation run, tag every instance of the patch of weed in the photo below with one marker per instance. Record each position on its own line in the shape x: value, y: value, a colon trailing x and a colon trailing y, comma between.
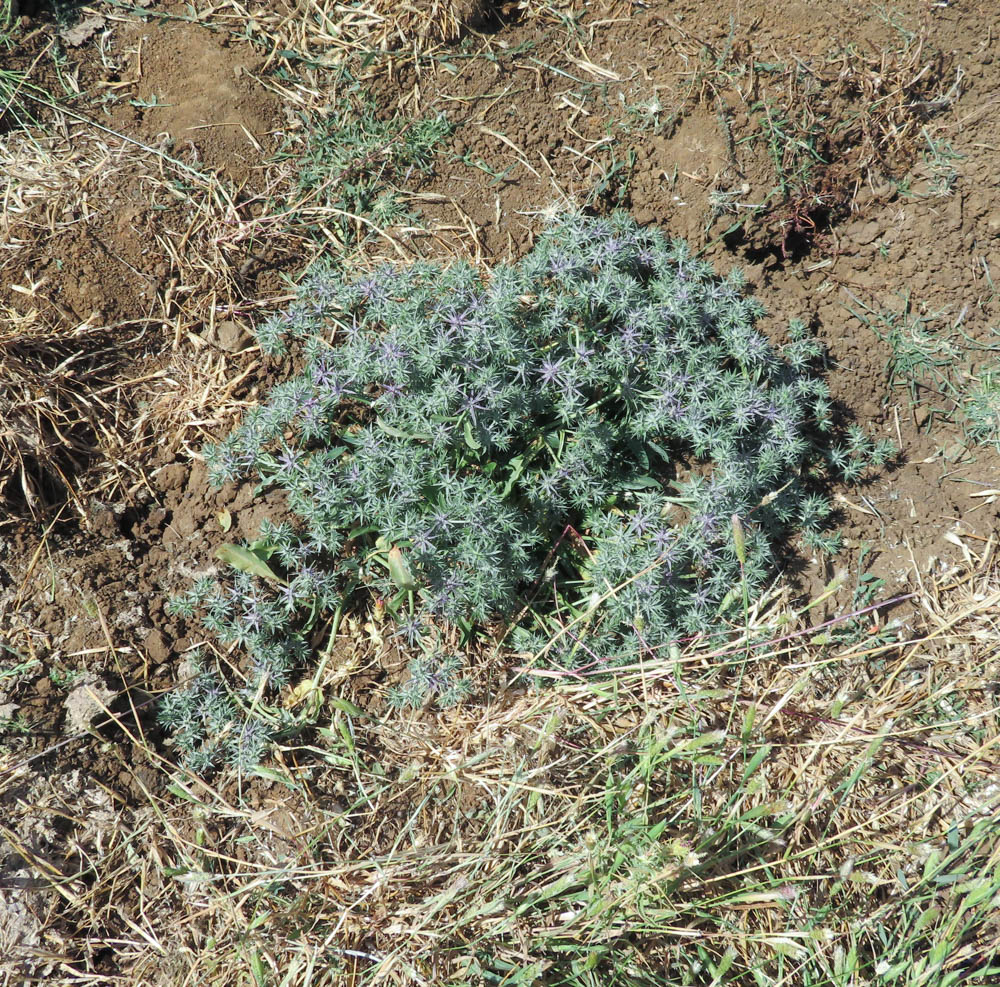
x: 348, y: 163
x: 981, y: 408
x: 933, y: 360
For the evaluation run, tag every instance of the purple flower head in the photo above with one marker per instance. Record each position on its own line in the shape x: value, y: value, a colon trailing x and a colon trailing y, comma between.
x: 707, y: 558
x: 569, y: 388
x: 548, y: 486
x: 252, y: 618
x: 387, y: 275
x: 708, y: 523
x: 459, y: 324
x: 441, y: 521
x: 334, y: 390
x: 438, y: 679
x: 670, y: 403
x: 645, y: 587
x: 609, y: 250
x: 352, y: 330
x: 286, y: 461
x: 312, y: 411
x: 451, y: 589
x: 440, y: 433
x: 371, y: 289
x: 550, y: 372
x: 391, y: 350
x: 645, y: 257
x: 315, y: 308
x: 411, y: 630
x: 664, y: 540
x: 521, y: 372
x: 391, y: 392
x: 324, y: 289
x: 423, y: 542
x: 630, y: 336
x: 287, y: 596
x: 600, y: 230
x: 472, y: 403
x: 641, y: 521
x: 560, y: 263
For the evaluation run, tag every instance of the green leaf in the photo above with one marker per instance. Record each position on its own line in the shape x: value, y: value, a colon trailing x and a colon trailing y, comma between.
x: 246, y: 560
x: 517, y: 469
x: 641, y: 483
x: 660, y: 451
x: 470, y: 439
x: 399, y: 571
x: 397, y: 434
x: 347, y: 707
x: 755, y: 762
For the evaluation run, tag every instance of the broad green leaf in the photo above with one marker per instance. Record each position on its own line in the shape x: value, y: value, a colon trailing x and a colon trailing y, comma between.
x: 246, y: 561
x: 470, y: 439
x: 397, y: 434
x: 399, y: 571
x: 641, y: 483
x: 346, y: 707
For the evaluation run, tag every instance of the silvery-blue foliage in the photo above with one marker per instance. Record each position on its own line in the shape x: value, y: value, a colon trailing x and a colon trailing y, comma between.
x: 608, y: 383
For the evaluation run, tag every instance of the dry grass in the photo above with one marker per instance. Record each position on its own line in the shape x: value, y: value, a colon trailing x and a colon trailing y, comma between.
x: 834, y: 814
x: 57, y: 396
x: 71, y: 389
x: 419, y: 22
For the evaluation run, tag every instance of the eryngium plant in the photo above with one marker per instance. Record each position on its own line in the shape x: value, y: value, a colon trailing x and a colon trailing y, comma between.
x: 450, y: 425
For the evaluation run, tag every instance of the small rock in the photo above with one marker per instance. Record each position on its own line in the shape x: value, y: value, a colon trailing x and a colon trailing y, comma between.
x: 228, y: 336
x: 867, y: 233
x: 156, y: 647
x: 86, y: 703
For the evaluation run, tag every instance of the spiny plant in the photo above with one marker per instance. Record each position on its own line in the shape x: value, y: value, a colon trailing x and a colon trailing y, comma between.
x: 450, y: 426
x: 433, y: 678
x: 212, y: 724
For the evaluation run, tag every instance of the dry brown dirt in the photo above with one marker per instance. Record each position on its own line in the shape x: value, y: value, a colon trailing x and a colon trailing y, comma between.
x: 647, y: 108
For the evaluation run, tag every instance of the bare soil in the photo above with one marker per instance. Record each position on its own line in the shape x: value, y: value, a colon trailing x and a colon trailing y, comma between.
x: 647, y: 109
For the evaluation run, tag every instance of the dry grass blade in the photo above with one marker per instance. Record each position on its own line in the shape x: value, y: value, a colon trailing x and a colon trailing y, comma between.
x: 426, y: 21
x: 50, y: 406
x: 64, y: 397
